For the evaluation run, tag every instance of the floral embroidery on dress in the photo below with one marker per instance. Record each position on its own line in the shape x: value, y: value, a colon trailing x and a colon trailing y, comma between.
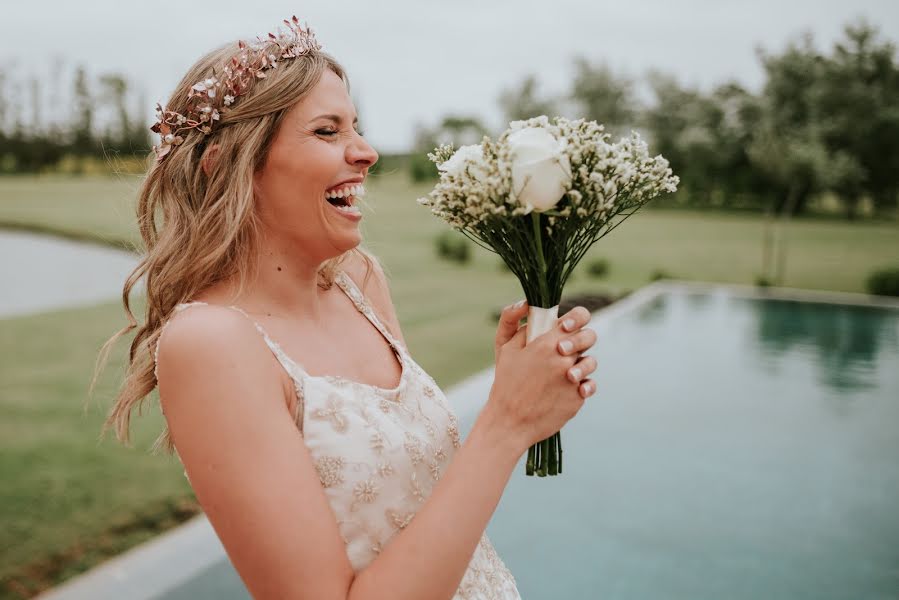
x: 453, y: 430
x: 333, y: 413
x: 399, y: 519
x: 435, y: 470
x: 417, y: 492
x: 413, y: 448
x: 385, y: 469
x: 365, y: 491
x: 330, y: 470
x: 429, y: 427
x: 376, y: 441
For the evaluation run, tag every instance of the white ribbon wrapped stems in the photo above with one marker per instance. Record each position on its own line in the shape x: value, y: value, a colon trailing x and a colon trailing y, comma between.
x: 541, y: 320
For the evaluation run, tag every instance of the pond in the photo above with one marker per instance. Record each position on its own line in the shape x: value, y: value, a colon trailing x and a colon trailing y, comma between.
x: 41, y: 273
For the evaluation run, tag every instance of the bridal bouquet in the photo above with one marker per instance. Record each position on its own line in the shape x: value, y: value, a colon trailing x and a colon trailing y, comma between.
x: 540, y: 196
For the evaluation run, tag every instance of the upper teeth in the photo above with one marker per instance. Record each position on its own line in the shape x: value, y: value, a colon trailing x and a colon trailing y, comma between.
x: 353, y: 190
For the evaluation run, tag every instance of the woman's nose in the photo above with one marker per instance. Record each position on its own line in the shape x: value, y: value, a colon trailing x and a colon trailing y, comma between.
x: 361, y: 152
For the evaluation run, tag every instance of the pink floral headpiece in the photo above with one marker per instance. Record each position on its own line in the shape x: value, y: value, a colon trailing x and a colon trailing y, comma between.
x: 235, y: 78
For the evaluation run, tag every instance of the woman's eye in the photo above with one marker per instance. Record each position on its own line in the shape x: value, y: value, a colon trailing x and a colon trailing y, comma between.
x: 332, y: 132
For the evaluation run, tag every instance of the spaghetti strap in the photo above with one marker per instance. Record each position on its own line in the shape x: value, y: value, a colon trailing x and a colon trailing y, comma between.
x: 349, y: 287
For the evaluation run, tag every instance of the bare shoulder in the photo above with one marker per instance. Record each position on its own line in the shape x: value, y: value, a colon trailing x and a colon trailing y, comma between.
x: 248, y: 464
x: 377, y: 291
x: 205, y: 323
x: 207, y: 336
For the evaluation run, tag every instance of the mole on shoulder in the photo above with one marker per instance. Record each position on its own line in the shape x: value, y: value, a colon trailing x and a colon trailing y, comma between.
x: 279, y: 268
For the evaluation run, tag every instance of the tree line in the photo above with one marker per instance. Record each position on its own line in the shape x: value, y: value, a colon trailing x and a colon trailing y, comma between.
x: 100, y: 117
x: 823, y: 122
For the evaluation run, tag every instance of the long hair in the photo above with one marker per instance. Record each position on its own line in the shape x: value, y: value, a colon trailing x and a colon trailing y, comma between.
x: 199, y: 229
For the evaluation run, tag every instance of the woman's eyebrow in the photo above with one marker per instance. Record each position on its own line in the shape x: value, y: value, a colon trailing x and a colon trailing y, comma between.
x: 336, y: 118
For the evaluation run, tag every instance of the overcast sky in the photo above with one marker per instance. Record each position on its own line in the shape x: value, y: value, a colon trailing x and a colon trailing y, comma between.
x: 415, y: 60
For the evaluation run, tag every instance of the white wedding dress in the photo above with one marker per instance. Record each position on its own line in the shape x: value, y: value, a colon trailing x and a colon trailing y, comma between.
x: 379, y: 452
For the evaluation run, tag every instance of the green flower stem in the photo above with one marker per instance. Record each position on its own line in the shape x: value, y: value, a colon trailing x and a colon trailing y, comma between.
x: 552, y: 463
x: 541, y: 262
x: 547, y: 460
x: 532, y: 455
x: 559, y: 442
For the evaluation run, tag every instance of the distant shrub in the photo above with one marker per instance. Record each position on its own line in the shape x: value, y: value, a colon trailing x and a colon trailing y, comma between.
x: 421, y: 168
x: 658, y: 274
x: 453, y: 246
x: 883, y: 282
x: 598, y: 267
x: 762, y: 281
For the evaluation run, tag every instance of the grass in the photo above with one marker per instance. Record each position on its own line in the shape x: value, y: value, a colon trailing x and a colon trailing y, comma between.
x: 73, y: 501
x: 64, y: 492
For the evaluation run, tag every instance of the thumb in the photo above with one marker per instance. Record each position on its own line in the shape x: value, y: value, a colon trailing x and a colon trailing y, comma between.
x: 519, y: 340
x: 508, y: 321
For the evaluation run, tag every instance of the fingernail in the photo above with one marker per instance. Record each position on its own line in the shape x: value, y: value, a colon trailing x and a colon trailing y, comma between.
x: 519, y: 304
x: 576, y: 374
x: 566, y: 346
x: 588, y: 388
x: 568, y: 324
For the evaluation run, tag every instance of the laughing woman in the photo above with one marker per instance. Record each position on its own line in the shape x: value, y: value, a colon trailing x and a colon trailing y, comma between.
x: 327, y: 460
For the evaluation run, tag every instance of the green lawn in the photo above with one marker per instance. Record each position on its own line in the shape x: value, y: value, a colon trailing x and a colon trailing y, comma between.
x: 68, y: 501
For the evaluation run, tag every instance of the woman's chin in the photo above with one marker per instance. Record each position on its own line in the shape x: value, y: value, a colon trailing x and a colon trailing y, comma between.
x: 348, y: 242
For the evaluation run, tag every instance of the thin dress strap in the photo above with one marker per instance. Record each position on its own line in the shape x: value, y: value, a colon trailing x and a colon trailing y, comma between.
x: 293, y: 370
x: 349, y: 286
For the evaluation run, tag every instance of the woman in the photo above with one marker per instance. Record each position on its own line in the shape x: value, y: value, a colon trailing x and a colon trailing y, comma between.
x: 327, y: 461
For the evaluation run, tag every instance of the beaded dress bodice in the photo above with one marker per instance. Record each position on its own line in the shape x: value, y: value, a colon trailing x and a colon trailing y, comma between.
x: 379, y: 452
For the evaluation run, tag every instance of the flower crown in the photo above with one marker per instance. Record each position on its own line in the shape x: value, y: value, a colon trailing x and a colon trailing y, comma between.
x: 235, y: 79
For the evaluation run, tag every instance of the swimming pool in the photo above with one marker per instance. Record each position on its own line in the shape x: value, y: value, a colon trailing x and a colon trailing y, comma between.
x: 737, y: 447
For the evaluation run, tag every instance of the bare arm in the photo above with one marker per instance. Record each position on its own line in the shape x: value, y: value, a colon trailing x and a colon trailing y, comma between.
x: 224, y: 398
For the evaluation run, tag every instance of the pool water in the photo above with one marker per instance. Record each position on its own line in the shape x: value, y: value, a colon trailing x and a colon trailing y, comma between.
x: 736, y: 448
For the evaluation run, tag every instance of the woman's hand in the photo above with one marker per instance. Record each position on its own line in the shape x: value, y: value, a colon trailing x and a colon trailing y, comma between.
x: 538, y: 387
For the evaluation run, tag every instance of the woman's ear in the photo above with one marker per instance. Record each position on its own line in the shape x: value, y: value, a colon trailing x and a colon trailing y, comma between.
x: 208, y: 160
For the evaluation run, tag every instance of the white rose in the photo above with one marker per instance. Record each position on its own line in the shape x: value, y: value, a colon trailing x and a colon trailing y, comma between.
x: 541, y: 172
x: 462, y: 157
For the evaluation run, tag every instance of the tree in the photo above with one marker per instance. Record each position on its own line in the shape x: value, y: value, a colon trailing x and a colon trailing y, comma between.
x: 603, y: 96
x: 787, y: 136
x: 794, y: 164
x: 704, y: 137
x: 457, y: 130
x: 115, y: 92
x: 522, y: 102
x: 859, y: 116
x: 83, y: 122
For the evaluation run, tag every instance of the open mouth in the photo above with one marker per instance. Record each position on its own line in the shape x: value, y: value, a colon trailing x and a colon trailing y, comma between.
x: 345, y: 197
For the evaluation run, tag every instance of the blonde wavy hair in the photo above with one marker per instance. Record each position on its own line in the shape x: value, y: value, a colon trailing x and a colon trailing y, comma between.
x: 198, y: 229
